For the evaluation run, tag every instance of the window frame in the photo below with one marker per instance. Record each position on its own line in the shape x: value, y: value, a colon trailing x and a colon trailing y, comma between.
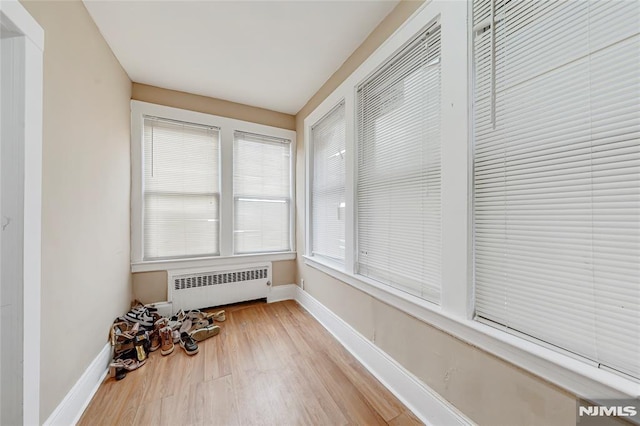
x: 145, y: 194
x: 455, y: 315
x: 421, y: 36
x: 310, y: 159
x: 289, y: 200
x: 227, y: 128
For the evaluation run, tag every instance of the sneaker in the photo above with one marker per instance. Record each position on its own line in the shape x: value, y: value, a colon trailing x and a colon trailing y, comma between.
x: 155, y: 341
x: 166, y: 345
x: 141, y: 315
x: 188, y: 344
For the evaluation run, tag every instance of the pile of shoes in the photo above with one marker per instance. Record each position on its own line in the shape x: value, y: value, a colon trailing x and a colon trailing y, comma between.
x: 142, y: 331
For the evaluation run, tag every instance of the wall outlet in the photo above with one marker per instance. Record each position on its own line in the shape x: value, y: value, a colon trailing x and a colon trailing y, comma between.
x: 302, y: 283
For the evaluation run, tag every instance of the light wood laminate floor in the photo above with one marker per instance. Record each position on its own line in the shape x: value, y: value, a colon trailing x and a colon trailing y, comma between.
x: 272, y: 364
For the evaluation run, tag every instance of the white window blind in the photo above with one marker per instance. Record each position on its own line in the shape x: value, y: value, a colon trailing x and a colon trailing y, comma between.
x: 181, y: 189
x: 557, y: 174
x: 328, y: 185
x: 398, y: 176
x: 262, y: 193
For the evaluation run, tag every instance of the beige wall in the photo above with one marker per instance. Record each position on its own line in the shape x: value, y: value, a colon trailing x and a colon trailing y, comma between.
x: 486, y: 389
x: 172, y: 98
x: 86, y: 280
x: 151, y: 287
x: 85, y: 196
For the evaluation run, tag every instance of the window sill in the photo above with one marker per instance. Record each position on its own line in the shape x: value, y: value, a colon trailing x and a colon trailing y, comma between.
x: 574, y: 375
x: 203, y: 262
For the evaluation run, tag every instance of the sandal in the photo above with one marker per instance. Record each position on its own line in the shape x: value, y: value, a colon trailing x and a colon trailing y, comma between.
x: 219, y: 316
x: 195, y: 315
x: 203, y: 333
x: 122, y: 331
x: 123, y: 347
x: 126, y: 364
x: 186, y: 326
x: 206, y: 322
x: 122, y: 336
x: 176, y: 320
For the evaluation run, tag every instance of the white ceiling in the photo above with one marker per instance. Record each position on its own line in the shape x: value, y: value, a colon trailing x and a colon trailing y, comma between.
x: 269, y: 54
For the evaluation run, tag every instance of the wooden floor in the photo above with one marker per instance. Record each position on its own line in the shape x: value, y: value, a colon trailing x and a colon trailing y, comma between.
x: 272, y: 364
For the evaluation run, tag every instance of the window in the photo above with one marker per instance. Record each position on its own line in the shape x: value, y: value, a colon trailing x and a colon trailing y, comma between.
x: 262, y: 193
x: 181, y: 189
x: 557, y: 175
x: 530, y: 245
x: 208, y: 190
x: 398, y: 174
x: 328, y: 186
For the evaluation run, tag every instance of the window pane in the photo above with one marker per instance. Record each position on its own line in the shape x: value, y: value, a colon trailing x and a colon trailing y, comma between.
x: 262, y: 191
x: 181, y: 225
x: 261, y: 225
x: 398, y: 185
x: 181, y: 181
x: 328, y: 192
x: 557, y: 176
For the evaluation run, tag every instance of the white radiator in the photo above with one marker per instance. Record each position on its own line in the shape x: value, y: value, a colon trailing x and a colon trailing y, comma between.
x: 203, y: 288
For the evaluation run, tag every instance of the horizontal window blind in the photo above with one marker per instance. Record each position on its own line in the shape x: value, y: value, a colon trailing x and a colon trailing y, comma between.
x: 557, y: 174
x: 328, y: 185
x: 398, y: 177
x: 262, y: 193
x: 181, y: 189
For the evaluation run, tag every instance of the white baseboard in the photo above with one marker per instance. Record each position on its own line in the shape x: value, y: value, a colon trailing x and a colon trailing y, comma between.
x: 282, y: 292
x: 425, y: 403
x: 68, y: 412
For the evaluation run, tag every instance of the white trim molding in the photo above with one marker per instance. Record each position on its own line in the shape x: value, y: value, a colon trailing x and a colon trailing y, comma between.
x: 241, y: 259
x: 22, y: 22
x: 569, y: 372
x: 423, y: 401
x: 15, y: 18
x: 278, y: 293
x: 69, y: 411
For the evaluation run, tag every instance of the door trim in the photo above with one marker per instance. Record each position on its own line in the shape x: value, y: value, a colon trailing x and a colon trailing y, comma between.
x: 15, y: 17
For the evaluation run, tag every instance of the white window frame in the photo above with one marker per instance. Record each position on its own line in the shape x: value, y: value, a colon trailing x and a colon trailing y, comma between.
x: 311, y: 120
x: 454, y: 315
x: 227, y: 128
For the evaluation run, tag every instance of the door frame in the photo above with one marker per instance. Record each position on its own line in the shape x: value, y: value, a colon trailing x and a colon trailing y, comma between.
x: 14, y: 17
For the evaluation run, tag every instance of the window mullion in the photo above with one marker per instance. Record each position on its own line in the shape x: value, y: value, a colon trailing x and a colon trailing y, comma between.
x: 226, y: 192
x: 456, y: 253
x: 350, y: 161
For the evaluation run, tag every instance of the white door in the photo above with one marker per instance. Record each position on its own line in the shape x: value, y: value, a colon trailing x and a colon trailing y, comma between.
x: 11, y: 225
x: 21, y: 80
